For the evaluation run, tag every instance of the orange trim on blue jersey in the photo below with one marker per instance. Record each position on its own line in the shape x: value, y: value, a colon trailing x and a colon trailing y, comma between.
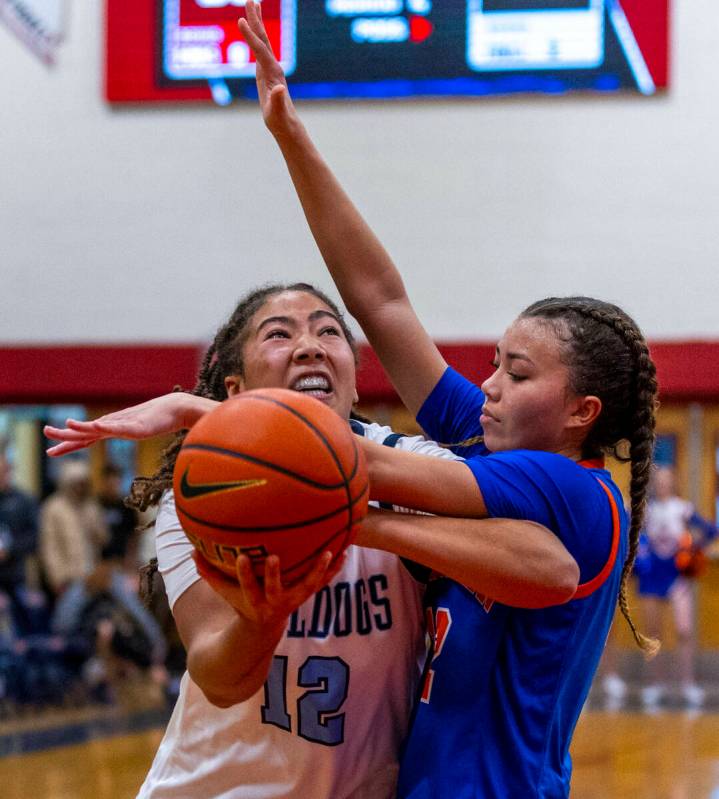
x: 593, y: 463
x: 585, y: 589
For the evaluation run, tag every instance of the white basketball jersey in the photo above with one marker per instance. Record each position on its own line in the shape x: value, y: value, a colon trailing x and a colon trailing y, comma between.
x: 665, y: 524
x: 330, y: 719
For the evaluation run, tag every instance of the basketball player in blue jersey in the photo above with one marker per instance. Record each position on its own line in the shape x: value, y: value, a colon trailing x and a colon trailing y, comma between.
x: 573, y: 381
x: 672, y: 528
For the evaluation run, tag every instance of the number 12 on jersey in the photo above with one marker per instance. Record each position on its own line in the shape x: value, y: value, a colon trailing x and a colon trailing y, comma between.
x: 318, y: 717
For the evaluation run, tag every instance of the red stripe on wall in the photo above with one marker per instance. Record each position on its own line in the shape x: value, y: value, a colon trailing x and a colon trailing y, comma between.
x: 102, y: 374
x: 687, y: 370
x: 123, y: 374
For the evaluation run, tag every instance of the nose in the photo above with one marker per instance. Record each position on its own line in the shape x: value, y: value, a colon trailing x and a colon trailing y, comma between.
x: 490, y: 387
x: 309, y: 348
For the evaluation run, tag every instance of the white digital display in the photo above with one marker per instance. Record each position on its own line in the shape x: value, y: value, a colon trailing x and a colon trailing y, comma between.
x: 535, y: 38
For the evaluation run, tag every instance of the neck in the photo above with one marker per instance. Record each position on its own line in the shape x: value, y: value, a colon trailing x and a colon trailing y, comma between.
x: 573, y: 453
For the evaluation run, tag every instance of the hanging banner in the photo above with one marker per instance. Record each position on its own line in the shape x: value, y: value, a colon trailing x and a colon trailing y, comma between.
x: 40, y: 24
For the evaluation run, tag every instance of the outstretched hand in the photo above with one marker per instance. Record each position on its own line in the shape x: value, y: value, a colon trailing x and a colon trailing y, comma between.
x: 158, y: 416
x: 270, y: 603
x: 277, y: 108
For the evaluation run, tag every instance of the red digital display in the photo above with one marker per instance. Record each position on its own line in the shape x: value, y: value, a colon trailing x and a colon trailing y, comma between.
x: 202, y: 41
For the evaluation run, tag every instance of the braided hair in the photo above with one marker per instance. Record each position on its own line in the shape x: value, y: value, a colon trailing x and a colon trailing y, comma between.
x: 608, y: 357
x: 224, y: 357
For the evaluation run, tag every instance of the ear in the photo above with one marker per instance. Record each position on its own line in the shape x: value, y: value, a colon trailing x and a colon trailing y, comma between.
x: 234, y: 384
x: 586, y: 412
x: 355, y: 396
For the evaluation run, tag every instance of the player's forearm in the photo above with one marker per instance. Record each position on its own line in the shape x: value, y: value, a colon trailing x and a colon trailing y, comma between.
x: 517, y: 563
x: 231, y: 664
x: 360, y: 266
x: 434, y: 485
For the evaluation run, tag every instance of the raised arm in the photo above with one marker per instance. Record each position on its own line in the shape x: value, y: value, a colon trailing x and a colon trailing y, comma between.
x: 366, y: 277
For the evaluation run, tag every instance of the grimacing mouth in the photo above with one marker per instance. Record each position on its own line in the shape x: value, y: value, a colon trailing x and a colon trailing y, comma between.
x: 315, y: 383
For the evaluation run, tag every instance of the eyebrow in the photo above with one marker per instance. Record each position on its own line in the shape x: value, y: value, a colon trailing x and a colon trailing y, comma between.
x: 515, y: 356
x: 320, y: 313
x: 286, y: 320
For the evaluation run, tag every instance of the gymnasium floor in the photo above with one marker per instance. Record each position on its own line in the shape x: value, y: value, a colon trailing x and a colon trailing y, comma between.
x: 617, y: 755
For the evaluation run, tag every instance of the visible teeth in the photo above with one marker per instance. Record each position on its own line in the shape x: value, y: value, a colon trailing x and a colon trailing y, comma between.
x: 311, y: 383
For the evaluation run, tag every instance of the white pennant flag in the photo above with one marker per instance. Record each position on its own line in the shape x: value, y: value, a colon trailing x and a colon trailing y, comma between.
x: 38, y: 23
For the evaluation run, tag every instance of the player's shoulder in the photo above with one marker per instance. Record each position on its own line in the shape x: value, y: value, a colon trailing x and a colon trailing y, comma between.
x: 383, y: 434
x: 370, y: 430
x: 549, y: 462
x: 577, y: 482
x: 166, y: 518
x: 167, y: 502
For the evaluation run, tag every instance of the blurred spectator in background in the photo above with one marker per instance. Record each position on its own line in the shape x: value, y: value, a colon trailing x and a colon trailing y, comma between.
x: 670, y: 556
x: 114, y: 633
x: 72, y: 529
x: 96, y: 605
x: 33, y: 662
x: 120, y: 520
x: 18, y: 532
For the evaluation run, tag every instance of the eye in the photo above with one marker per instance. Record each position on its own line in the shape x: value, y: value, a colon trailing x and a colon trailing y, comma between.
x: 516, y: 378
x: 331, y: 330
x: 277, y: 333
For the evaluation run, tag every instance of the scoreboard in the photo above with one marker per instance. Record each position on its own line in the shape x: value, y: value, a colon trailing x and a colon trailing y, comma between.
x: 192, y: 49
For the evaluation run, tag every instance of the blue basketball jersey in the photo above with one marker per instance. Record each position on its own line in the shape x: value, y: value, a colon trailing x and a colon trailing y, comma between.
x: 504, y: 686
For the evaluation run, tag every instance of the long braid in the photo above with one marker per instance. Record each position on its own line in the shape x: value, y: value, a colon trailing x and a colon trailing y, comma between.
x: 641, y: 452
x: 624, y: 379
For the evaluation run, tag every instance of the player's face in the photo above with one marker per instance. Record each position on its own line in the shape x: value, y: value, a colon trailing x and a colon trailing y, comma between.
x: 663, y: 483
x: 295, y: 341
x: 529, y: 403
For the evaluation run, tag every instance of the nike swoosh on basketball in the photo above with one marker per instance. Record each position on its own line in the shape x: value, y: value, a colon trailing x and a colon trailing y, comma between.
x: 194, y: 490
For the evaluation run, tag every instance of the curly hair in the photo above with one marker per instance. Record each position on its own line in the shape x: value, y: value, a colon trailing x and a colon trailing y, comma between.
x: 608, y: 357
x: 223, y: 357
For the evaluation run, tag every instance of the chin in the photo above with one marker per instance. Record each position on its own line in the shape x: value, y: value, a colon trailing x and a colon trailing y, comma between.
x: 496, y: 444
x: 491, y: 442
x: 332, y: 402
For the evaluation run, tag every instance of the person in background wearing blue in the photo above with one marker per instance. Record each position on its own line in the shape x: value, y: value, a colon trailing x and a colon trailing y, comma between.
x: 573, y: 382
x: 671, y: 544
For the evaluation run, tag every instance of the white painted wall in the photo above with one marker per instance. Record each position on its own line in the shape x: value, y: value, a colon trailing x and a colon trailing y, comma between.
x: 146, y: 224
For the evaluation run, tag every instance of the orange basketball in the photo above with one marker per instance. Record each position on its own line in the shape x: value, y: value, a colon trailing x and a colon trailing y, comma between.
x: 270, y: 471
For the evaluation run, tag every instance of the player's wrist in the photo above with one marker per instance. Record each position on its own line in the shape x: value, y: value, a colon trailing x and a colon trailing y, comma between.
x: 269, y: 631
x: 192, y: 408
x: 289, y: 132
